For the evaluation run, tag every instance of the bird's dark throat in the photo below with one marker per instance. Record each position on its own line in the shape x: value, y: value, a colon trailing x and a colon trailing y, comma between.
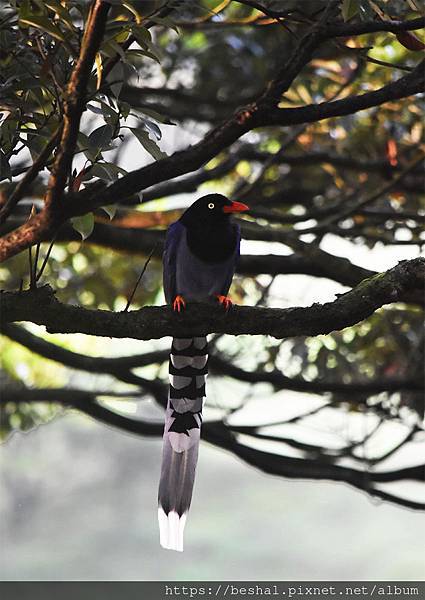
x: 212, y: 244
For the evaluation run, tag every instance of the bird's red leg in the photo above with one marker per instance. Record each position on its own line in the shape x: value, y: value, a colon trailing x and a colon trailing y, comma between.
x: 179, y: 303
x: 224, y: 301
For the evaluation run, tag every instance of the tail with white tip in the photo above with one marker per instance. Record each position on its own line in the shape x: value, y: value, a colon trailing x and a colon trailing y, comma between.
x: 183, y: 418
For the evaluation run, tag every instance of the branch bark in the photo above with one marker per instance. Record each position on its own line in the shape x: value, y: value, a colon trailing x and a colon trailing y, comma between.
x: 41, y: 306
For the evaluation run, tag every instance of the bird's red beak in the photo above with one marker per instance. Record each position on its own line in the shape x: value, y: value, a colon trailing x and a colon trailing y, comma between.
x: 235, y: 207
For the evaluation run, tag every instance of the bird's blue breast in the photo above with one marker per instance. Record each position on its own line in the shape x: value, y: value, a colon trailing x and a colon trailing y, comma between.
x: 197, y: 280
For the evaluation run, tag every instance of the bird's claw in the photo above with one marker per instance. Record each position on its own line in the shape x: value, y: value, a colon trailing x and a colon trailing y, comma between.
x: 179, y: 303
x: 225, y: 301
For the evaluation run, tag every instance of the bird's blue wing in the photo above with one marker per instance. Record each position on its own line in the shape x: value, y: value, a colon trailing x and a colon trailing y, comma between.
x: 172, y: 240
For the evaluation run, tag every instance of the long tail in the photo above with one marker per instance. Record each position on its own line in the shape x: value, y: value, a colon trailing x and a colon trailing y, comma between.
x: 183, y: 418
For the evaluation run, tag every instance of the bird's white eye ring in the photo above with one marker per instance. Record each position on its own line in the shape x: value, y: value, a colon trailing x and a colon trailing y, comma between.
x: 210, y: 205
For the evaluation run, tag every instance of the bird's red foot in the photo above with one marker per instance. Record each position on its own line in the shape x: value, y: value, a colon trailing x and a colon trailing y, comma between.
x: 179, y: 303
x: 225, y: 301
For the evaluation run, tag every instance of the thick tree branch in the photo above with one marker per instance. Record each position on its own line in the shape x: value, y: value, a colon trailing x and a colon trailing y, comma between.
x: 75, y: 100
x: 309, y: 259
x: 40, y: 306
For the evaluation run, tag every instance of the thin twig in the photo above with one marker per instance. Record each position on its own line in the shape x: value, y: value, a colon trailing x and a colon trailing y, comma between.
x: 145, y: 266
x: 31, y: 268
x: 37, y: 254
x: 46, y: 258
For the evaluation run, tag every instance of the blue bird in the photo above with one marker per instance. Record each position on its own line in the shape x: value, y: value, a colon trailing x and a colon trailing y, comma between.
x: 200, y: 255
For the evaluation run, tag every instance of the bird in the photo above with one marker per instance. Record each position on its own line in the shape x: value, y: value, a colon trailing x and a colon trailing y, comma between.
x: 200, y: 255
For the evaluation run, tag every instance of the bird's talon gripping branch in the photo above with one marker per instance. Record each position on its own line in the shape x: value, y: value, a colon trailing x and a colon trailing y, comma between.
x: 225, y: 301
x: 179, y: 303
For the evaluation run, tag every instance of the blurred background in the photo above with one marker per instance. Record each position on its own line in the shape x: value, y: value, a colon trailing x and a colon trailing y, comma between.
x: 312, y: 466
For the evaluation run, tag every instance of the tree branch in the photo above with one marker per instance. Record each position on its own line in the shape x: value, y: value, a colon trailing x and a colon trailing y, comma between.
x: 257, y: 114
x: 222, y: 435
x: 178, y: 164
x: 354, y: 390
x: 410, y: 84
x: 121, y: 368
x: 40, y: 306
x: 393, y: 26
x: 75, y: 100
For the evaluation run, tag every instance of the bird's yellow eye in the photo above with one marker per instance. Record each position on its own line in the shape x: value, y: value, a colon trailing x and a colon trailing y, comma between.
x: 210, y: 205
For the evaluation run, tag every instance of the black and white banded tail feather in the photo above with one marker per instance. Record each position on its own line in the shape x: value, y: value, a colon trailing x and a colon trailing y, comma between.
x: 183, y: 419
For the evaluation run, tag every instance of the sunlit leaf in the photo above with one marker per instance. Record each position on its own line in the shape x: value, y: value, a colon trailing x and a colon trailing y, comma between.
x: 61, y: 11
x: 44, y: 24
x: 136, y: 14
x: 99, y: 69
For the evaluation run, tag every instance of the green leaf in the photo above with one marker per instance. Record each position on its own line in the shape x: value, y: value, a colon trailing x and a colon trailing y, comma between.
x: 132, y: 9
x: 107, y: 171
x: 165, y: 21
x: 110, y: 210
x: 131, y: 53
x: 148, y: 144
x: 100, y: 139
x: 61, y: 12
x: 84, y: 224
x: 115, y: 79
x: 141, y: 34
x: 44, y: 24
x: 82, y: 141
x: 124, y: 109
x: 144, y: 39
x: 156, y: 115
x: 349, y: 9
x: 152, y: 127
x: 111, y: 48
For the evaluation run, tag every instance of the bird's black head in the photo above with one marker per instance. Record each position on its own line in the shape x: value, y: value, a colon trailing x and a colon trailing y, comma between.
x: 211, y: 211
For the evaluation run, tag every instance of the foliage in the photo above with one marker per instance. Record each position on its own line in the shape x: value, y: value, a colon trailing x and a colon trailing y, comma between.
x: 163, y: 75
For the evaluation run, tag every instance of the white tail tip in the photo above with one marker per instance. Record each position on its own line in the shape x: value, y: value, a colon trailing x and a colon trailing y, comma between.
x: 171, y: 529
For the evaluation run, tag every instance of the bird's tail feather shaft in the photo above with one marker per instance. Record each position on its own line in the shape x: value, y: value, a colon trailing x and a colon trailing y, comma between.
x: 183, y: 418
